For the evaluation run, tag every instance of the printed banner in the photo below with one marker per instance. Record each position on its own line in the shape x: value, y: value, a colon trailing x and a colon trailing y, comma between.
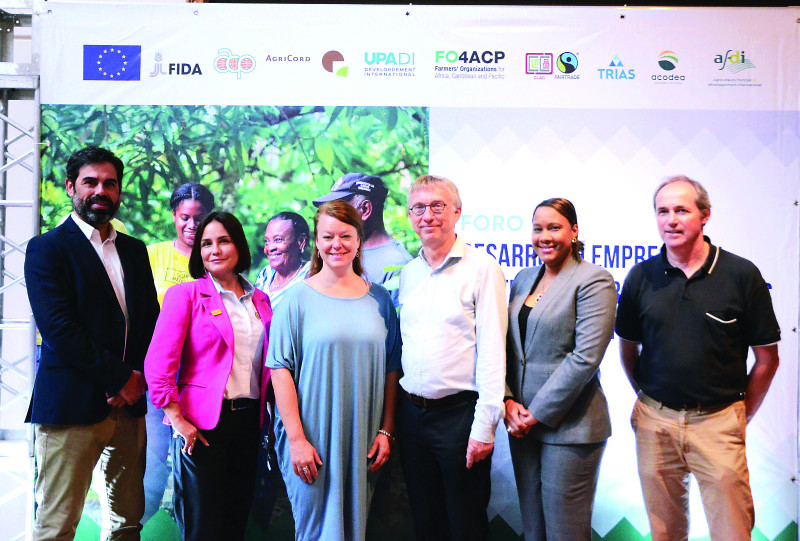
x: 267, y: 105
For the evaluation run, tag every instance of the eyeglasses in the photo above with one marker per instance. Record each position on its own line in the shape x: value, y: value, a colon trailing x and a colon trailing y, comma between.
x: 437, y: 207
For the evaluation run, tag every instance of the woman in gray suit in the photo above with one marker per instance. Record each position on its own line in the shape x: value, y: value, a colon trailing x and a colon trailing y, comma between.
x: 561, y: 316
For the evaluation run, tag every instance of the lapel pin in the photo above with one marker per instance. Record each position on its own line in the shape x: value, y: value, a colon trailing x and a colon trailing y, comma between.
x: 216, y: 312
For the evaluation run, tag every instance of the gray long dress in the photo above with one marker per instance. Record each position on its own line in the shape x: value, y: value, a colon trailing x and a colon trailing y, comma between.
x: 339, y: 352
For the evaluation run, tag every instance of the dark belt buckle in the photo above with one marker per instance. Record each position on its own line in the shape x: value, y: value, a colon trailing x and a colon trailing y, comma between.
x: 240, y: 404
x: 418, y: 401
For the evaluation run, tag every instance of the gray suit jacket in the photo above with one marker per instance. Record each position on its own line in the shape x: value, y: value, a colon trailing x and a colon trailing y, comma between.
x: 568, y: 332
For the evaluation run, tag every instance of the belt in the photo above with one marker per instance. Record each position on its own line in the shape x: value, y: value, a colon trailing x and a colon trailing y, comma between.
x: 239, y: 404
x: 691, y: 406
x: 449, y: 400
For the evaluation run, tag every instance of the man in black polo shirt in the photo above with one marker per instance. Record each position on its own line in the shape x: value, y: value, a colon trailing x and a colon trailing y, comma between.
x: 686, y: 318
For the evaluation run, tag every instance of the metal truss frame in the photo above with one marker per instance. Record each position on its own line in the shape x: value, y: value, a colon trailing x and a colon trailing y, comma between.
x: 19, y: 221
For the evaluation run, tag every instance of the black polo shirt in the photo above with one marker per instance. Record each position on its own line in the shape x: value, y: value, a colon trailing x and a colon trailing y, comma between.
x: 695, y: 332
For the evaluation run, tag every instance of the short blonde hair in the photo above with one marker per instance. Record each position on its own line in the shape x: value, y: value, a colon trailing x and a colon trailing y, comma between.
x: 426, y: 181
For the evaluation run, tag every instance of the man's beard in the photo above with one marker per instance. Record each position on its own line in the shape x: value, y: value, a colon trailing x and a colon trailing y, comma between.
x: 92, y: 216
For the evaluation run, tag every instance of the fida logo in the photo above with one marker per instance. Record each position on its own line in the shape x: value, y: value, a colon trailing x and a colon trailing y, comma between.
x: 470, y: 57
x: 615, y: 71
x: 173, y: 68
x: 538, y: 63
x: 734, y: 61
x: 329, y: 61
x: 227, y: 62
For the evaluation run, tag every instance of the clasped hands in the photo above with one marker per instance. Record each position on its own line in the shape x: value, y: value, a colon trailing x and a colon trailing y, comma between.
x: 518, y: 419
x: 131, y: 392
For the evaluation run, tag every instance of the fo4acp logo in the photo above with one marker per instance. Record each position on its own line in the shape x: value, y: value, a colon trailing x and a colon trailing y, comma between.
x: 470, y: 57
x: 616, y: 70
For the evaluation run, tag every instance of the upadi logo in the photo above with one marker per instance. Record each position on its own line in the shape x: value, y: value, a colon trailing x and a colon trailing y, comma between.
x: 328, y: 61
x: 667, y: 60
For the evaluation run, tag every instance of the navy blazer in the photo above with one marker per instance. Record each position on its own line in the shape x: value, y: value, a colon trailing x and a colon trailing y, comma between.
x: 83, y: 327
x: 567, y: 334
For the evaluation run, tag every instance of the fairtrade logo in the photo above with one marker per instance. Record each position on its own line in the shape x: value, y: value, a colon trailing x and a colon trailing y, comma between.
x: 667, y: 60
x: 112, y: 62
x: 539, y: 63
x: 227, y: 62
x: 174, y: 68
x: 567, y: 62
x: 471, y: 57
x: 613, y: 70
x: 328, y: 61
x: 734, y: 61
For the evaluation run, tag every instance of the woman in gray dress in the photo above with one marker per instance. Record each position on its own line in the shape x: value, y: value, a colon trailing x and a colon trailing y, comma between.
x: 561, y: 316
x: 335, y: 356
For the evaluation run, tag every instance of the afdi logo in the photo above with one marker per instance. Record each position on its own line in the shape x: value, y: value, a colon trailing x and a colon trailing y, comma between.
x: 734, y: 61
x: 330, y: 61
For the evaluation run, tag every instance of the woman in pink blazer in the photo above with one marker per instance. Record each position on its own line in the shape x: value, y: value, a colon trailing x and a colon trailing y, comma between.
x: 204, y: 368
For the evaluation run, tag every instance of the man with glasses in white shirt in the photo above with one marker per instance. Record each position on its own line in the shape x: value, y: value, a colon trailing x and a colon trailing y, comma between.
x: 453, y: 320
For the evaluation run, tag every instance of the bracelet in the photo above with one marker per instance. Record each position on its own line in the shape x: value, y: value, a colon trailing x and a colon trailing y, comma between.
x: 385, y: 433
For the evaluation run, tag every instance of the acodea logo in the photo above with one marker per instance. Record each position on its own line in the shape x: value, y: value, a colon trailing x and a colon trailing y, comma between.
x: 668, y: 61
x: 733, y: 61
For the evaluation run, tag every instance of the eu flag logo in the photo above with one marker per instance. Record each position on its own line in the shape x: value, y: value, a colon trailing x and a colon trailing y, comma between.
x: 112, y: 62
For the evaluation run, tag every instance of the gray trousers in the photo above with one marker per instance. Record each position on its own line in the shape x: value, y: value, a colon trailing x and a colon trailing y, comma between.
x: 556, y: 486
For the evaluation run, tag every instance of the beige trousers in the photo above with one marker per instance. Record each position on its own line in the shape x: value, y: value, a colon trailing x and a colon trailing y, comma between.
x: 66, y: 456
x: 710, y: 444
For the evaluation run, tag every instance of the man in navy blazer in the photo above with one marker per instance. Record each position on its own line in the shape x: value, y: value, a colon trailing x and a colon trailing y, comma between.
x: 94, y: 302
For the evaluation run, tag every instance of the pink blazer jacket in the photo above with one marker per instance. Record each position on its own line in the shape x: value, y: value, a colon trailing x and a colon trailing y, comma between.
x: 191, y: 353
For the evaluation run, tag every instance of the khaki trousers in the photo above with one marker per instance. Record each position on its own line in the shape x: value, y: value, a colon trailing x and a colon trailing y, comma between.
x: 66, y: 456
x: 708, y: 443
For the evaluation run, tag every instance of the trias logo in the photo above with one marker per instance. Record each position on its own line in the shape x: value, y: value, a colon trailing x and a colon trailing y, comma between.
x: 389, y: 59
x: 734, y: 61
x: 615, y: 70
x: 470, y: 57
x: 227, y: 62
x: 173, y: 68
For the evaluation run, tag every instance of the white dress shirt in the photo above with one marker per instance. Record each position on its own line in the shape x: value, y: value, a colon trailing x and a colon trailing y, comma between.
x: 248, y: 342
x: 453, y: 321
x: 107, y: 252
